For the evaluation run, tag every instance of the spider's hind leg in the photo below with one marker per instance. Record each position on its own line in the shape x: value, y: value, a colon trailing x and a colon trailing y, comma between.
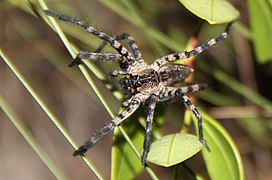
x: 196, y: 113
x: 108, y: 127
x: 75, y: 62
x: 95, y: 57
x: 152, y: 100
x: 93, y: 140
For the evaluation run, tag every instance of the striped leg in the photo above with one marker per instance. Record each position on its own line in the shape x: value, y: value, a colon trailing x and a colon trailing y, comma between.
x: 170, y: 92
x: 152, y: 100
x: 131, y: 44
x: 95, y: 57
x: 114, y: 43
x: 108, y: 127
x: 127, y: 102
x: 187, y: 54
x: 192, y: 88
x: 189, y: 104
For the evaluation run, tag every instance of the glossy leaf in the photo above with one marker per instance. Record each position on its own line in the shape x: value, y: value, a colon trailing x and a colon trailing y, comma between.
x: 213, y: 11
x: 173, y: 149
x: 224, y: 161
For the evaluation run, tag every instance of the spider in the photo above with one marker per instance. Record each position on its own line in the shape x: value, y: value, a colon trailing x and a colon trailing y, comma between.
x: 144, y: 83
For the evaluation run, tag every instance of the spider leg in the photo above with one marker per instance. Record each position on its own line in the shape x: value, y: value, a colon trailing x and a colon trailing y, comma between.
x: 187, y: 54
x: 135, y: 103
x: 170, y: 92
x: 91, y: 55
x: 131, y: 44
x: 152, y: 100
x: 127, y: 102
x: 116, y: 73
x: 132, y: 47
x: 114, y: 43
x: 95, y: 57
x: 196, y: 113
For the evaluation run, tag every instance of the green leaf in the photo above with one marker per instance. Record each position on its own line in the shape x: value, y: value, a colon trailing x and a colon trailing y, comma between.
x: 224, y: 161
x: 125, y: 163
x: 213, y: 11
x: 261, y: 24
x: 173, y: 149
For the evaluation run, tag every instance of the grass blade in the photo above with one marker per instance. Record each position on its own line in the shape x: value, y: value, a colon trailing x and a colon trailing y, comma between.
x: 52, y: 117
x: 31, y: 140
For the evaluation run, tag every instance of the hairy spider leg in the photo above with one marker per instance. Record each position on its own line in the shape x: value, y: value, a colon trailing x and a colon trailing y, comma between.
x: 187, y: 54
x: 116, y: 73
x: 190, y: 105
x: 123, y: 64
x: 114, y: 43
x: 127, y: 102
x: 152, y: 101
x: 135, y: 103
x: 131, y: 44
x: 170, y: 92
x: 95, y: 57
x: 192, y: 88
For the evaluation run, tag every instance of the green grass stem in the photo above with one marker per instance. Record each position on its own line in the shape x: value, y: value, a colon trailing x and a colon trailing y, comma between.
x: 31, y: 140
x: 52, y: 117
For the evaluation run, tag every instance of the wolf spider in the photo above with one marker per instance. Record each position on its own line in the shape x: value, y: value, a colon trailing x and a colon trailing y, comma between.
x: 144, y: 83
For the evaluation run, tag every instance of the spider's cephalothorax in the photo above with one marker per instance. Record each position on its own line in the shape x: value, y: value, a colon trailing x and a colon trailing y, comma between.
x: 145, y: 83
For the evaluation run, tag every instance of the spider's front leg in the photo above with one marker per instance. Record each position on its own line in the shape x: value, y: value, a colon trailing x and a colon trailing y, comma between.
x: 190, y: 105
x: 152, y: 101
x: 187, y: 54
x: 131, y: 44
x: 95, y: 57
x: 132, y: 47
x: 105, y: 37
x: 131, y: 108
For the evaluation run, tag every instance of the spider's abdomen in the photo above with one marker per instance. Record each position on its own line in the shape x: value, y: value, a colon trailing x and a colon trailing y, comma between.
x: 171, y: 74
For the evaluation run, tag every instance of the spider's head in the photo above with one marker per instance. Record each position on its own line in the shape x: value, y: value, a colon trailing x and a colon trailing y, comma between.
x: 171, y: 74
x: 129, y: 84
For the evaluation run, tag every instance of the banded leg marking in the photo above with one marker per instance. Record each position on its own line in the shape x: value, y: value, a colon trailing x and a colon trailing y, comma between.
x: 196, y: 113
x: 187, y: 54
x: 95, y: 57
x: 114, y: 43
x: 170, y: 92
x: 131, y: 44
x: 152, y: 101
x: 107, y: 128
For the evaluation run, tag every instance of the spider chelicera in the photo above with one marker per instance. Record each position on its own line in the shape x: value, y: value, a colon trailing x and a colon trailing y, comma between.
x: 144, y: 83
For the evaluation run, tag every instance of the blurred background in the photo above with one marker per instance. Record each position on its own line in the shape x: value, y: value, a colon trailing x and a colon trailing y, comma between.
x: 239, y: 94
